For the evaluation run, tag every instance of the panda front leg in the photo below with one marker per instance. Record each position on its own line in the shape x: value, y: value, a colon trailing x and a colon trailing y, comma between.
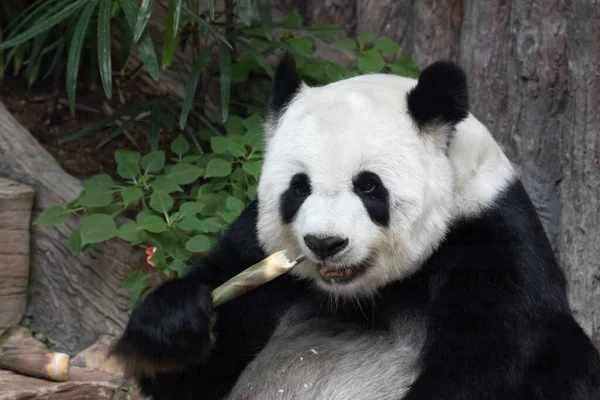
x: 172, y: 345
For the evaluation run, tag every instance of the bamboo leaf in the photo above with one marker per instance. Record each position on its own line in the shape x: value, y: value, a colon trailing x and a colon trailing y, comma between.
x: 145, y: 47
x: 33, y: 63
x: 208, y: 27
x: 54, y: 16
x: 192, y: 84
x: 260, y: 59
x: 211, y: 9
x: 75, y: 52
x: 266, y: 19
x: 143, y: 16
x: 225, y: 63
x: 171, y: 30
x: 245, y: 11
x: 104, y: 54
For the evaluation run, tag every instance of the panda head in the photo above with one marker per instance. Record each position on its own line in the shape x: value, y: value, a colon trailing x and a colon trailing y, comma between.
x: 356, y: 174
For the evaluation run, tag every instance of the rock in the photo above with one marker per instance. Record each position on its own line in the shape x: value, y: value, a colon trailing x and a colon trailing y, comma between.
x: 16, y: 202
x: 84, y: 385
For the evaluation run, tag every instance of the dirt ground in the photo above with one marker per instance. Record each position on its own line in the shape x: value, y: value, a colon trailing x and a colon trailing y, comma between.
x: 43, y: 111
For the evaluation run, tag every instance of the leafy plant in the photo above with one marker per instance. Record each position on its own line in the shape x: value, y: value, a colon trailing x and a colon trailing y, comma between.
x: 179, y: 204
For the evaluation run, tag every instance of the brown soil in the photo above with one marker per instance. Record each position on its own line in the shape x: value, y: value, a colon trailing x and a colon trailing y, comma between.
x: 43, y: 111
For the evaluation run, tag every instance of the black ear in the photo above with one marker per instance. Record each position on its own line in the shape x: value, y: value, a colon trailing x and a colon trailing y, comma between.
x: 287, y: 83
x: 441, y: 95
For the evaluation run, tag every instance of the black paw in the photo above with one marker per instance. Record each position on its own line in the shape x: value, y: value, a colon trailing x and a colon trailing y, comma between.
x: 168, y: 331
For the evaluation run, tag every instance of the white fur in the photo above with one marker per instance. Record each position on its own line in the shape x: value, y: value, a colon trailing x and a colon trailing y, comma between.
x: 334, y: 132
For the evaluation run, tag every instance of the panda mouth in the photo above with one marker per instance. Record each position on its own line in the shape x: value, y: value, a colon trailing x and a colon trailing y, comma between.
x: 333, y: 274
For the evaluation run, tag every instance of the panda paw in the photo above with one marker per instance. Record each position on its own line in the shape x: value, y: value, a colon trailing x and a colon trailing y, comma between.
x: 170, y: 330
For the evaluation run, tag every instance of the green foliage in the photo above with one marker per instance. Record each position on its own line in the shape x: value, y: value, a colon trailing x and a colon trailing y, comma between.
x: 179, y: 199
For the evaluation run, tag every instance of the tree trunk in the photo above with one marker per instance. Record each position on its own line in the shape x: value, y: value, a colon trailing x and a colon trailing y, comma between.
x: 73, y: 300
x: 533, y: 77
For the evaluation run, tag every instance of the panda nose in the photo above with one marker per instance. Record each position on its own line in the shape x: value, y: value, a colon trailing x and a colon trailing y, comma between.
x: 325, y: 246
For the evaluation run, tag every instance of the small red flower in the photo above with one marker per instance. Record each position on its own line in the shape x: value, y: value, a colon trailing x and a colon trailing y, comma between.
x: 150, y: 252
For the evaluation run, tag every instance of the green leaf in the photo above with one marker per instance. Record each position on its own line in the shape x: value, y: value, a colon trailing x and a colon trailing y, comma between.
x: 235, y: 205
x: 102, y: 181
x: 253, y: 168
x: 95, y: 196
x: 347, y: 44
x: 75, y: 242
x: 151, y: 223
x: 165, y: 184
x: 190, y: 208
x: 142, y: 19
x: 219, y: 144
x: 211, y: 9
x: 131, y: 194
x: 136, y: 285
x: 171, y: 32
x: 52, y: 216
x: 212, y: 225
x: 259, y: 58
x: 104, y: 47
x: 228, y: 217
x: 131, y: 232
x: 97, y: 228
x: 266, y: 19
x: 371, y: 61
x: 293, y: 20
x: 405, y: 66
x: 145, y: 47
x: 303, y: 44
x: 198, y: 244
x: 127, y: 157
x: 225, y: 64
x: 192, y: 84
x: 180, y: 145
x: 386, y: 45
x: 161, y: 202
x: 236, y: 148
x: 75, y: 52
x: 184, y: 173
x: 245, y: 11
x: 218, y: 167
x: 53, y: 16
x: 128, y: 171
x: 178, y: 266
x: 366, y: 37
x: 190, y: 223
x: 153, y: 162
x: 251, y: 192
x: 254, y: 121
x: 235, y: 125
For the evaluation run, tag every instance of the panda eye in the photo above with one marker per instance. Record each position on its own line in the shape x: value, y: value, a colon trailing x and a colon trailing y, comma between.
x: 300, y: 185
x: 366, y: 187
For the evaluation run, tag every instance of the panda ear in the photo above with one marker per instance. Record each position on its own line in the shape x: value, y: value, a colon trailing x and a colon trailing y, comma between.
x: 441, y: 96
x: 287, y: 83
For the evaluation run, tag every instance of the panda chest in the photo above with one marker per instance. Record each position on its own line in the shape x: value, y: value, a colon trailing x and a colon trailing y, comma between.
x: 322, y: 359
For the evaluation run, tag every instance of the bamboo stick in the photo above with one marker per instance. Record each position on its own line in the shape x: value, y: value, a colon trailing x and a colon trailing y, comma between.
x: 35, y: 362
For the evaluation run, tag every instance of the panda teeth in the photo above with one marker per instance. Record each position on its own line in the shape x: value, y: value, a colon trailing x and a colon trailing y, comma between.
x: 346, y: 273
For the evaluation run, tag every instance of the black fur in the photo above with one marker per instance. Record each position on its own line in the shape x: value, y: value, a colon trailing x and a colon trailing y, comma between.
x: 499, y: 325
x: 286, y: 85
x: 377, y: 200
x: 294, y: 196
x: 440, y: 97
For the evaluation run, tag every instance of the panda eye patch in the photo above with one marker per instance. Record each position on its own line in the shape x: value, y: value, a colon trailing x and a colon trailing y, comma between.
x: 369, y: 187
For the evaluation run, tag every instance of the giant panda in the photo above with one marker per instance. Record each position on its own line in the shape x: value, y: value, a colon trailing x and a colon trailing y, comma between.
x: 428, y: 274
